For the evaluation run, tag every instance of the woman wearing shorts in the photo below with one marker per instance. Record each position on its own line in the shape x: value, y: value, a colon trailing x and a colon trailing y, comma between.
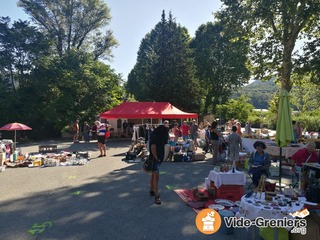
x: 101, y: 133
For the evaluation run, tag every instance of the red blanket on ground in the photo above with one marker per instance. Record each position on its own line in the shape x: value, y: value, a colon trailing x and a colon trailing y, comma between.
x: 193, y: 201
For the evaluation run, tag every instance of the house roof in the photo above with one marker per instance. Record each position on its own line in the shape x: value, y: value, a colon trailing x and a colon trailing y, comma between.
x: 147, y: 110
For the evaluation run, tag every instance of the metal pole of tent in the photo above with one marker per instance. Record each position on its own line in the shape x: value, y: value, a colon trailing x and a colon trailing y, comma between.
x: 15, y: 140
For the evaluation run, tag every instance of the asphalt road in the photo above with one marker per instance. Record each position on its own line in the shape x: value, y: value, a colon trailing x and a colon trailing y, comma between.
x: 105, y: 199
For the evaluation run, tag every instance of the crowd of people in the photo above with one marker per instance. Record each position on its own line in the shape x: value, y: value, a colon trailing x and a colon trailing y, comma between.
x: 85, y: 132
x: 160, y: 136
x: 97, y: 131
x: 259, y: 160
x: 215, y: 137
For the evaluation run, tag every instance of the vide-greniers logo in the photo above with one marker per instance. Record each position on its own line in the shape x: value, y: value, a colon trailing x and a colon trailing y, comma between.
x: 208, y: 221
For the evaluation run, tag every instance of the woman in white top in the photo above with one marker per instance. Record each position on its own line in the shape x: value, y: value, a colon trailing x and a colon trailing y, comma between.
x: 101, y: 133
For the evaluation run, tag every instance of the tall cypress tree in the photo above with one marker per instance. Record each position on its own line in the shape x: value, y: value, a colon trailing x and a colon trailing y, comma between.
x: 165, y: 70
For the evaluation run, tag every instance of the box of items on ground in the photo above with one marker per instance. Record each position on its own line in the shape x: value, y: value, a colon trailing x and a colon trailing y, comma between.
x: 62, y: 159
x: 177, y: 157
x: 50, y: 159
x: 188, y: 157
x: 184, y: 151
x: 198, y: 157
x: 52, y: 148
x: 230, y: 192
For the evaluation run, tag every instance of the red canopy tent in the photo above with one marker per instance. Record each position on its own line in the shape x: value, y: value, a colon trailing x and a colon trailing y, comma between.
x: 147, y: 110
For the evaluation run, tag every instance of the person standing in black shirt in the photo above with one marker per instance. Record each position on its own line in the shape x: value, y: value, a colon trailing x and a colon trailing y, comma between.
x: 158, y: 139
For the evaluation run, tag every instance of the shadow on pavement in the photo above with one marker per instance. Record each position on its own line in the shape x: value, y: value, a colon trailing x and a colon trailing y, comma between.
x: 114, y: 206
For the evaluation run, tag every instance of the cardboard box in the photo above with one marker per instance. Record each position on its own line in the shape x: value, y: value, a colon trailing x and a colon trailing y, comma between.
x: 48, y: 148
x: 177, y: 157
x: 198, y: 157
x: 230, y: 192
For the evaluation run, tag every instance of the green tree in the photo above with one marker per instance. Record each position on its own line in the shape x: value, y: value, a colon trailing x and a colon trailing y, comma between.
x: 239, y: 108
x: 273, y: 109
x: 70, y: 87
x: 304, y: 94
x: 273, y: 28
x: 164, y: 70
x: 220, y: 63
x: 73, y: 24
x: 21, y: 46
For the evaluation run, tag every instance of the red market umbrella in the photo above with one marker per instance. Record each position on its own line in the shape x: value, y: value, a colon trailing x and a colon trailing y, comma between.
x: 15, y: 127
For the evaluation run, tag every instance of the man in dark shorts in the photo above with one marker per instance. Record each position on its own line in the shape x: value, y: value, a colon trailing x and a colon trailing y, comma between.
x: 158, y: 138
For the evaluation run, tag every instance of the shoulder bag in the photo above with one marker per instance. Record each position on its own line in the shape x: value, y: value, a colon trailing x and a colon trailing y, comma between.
x: 148, y: 164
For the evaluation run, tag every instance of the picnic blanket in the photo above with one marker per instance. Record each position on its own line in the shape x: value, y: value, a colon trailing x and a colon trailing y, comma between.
x: 187, y: 196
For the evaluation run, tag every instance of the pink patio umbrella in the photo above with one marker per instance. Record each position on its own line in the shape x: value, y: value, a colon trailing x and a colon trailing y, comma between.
x: 15, y: 127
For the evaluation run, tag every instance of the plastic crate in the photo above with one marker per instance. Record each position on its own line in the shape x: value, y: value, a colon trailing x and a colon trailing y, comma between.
x: 230, y: 192
x: 198, y: 157
x: 177, y: 157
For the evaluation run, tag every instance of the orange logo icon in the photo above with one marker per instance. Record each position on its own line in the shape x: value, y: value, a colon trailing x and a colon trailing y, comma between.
x: 208, y: 221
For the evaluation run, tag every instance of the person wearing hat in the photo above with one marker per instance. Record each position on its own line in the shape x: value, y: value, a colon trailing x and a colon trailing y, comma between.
x: 259, y: 162
x: 166, y: 123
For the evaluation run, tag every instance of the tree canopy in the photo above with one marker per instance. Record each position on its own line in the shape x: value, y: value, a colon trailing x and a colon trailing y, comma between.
x: 220, y: 63
x: 164, y: 70
x: 73, y: 24
x: 48, y: 91
x: 273, y: 28
x: 20, y: 46
x: 72, y: 87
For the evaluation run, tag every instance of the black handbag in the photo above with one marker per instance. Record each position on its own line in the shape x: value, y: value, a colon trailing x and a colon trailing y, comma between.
x: 148, y: 165
x: 131, y: 155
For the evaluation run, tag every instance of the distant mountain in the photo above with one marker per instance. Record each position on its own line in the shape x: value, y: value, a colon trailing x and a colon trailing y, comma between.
x: 259, y: 92
x: 262, y: 83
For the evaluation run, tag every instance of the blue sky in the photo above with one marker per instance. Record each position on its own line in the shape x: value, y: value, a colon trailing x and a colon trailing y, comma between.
x: 133, y: 19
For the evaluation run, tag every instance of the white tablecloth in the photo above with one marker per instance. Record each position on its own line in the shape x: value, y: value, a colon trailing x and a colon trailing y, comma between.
x: 287, y: 152
x: 249, y: 210
x: 227, y: 178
